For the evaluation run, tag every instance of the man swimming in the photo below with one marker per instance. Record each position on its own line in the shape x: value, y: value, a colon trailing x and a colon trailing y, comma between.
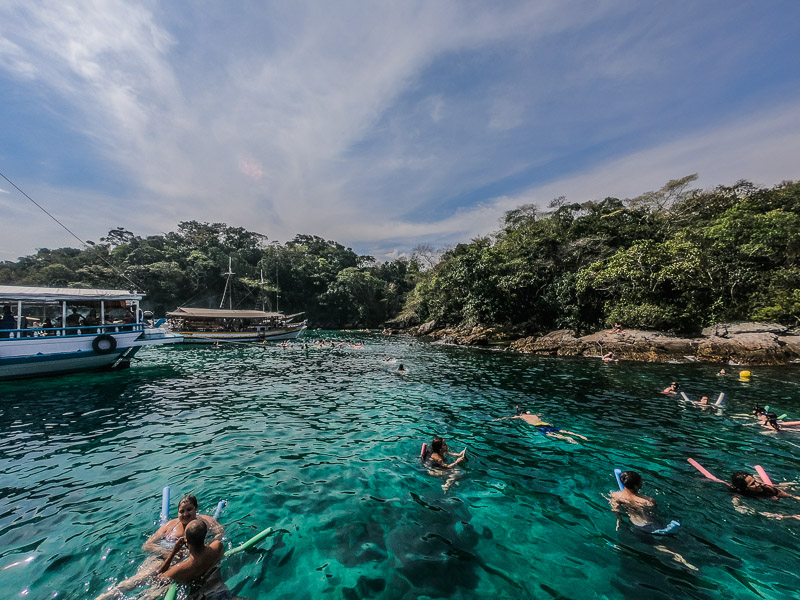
x: 641, y: 511
x: 543, y: 427
x: 201, y: 569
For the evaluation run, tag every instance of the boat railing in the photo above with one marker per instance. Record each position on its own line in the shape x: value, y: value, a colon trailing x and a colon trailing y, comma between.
x: 81, y: 330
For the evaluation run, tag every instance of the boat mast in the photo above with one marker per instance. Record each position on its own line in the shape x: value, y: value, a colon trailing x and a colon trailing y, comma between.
x: 263, y: 307
x: 228, y: 284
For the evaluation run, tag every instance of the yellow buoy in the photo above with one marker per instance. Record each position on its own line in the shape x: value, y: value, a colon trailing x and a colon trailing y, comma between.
x: 744, y: 374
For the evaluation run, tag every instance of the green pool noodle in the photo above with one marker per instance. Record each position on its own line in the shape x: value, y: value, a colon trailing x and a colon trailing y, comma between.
x: 256, y: 538
x: 172, y: 592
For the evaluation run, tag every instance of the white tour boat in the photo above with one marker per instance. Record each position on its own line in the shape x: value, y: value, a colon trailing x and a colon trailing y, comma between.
x: 210, y: 325
x: 48, y: 331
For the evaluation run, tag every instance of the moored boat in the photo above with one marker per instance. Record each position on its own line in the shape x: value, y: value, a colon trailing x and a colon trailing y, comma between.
x: 210, y: 325
x: 50, y: 331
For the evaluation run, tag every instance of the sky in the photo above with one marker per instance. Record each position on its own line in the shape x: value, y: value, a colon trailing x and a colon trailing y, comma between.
x: 380, y: 125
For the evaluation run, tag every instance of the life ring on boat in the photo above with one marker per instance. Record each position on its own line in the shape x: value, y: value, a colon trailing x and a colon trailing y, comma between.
x: 104, y: 344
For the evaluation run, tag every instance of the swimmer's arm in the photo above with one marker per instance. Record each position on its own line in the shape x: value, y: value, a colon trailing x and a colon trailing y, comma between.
x: 575, y: 434
x: 504, y: 418
x: 151, y: 545
x: 171, y: 556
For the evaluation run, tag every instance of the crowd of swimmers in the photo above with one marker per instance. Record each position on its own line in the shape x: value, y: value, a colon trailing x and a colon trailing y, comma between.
x: 640, y: 510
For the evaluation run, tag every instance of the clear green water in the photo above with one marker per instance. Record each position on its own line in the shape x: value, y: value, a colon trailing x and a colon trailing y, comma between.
x: 322, y: 445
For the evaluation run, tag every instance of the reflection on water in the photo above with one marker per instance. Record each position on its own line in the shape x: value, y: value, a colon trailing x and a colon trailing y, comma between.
x: 322, y: 445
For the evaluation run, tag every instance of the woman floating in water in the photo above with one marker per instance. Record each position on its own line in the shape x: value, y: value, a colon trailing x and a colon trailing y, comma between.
x: 545, y: 428
x: 745, y: 484
x: 161, y: 543
x: 435, y: 458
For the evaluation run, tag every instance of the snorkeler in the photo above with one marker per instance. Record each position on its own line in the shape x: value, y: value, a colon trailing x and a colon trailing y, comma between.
x: 641, y: 511
x: 162, y: 542
x: 437, y: 462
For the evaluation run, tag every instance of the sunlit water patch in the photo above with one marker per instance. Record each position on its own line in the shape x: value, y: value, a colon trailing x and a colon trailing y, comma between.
x: 322, y: 445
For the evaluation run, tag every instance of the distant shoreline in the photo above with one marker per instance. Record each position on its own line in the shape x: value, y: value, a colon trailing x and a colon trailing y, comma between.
x: 735, y: 344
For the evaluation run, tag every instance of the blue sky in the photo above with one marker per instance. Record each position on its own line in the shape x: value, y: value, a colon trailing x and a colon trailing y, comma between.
x: 381, y: 125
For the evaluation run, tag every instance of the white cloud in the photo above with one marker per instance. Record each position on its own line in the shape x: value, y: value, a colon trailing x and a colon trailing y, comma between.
x: 333, y: 120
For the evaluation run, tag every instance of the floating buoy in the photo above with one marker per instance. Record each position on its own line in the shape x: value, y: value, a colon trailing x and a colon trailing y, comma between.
x: 744, y: 374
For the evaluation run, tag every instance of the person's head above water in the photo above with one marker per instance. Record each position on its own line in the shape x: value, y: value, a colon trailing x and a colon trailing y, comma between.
x: 187, y: 509
x: 438, y: 445
x: 631, y: 480
x: 195, y: 533
x: 744, y: 483
x: 758, y: 410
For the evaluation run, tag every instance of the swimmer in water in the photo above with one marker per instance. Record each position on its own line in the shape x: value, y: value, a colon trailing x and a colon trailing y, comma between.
x: 401, y: 368
x: 745, y: 484
x: 722, y: 372
x: 702, y: 402
x: 161, y: 543
x: 609, y: 357
x: 672, y: 388
x: 437, y: 461
x: 641, y: 511
x: 201, y: 568
x: 545, y: 428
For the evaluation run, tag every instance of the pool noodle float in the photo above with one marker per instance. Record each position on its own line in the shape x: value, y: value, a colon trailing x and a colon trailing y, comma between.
x: 721, y: 400
x: 253, y: 540
x: 790, y: 422
x: 705, y: 472
x: 619, y: 481
x: 763, y: 475
x: 670, y: 527
x: 218, y: 511
x: 685, y: 397
x: 423, y: 450
x: 164, y: 505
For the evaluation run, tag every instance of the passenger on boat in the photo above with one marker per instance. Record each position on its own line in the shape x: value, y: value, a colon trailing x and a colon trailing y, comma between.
x: 7, y: 322
x: 201, y: 569
x: 74, y: 319
x: 162, y: 542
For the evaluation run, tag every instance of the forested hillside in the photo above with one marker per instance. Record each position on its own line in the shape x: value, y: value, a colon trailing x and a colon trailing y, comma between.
x: 676, y: 260
x: 333, y: 285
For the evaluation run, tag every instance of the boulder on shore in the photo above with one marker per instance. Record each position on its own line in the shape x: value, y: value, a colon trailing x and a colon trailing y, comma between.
x: 740, y: 343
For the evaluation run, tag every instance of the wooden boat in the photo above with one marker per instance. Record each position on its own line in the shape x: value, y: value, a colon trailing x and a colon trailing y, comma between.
x: 49, y: 331
x: 210, y: 325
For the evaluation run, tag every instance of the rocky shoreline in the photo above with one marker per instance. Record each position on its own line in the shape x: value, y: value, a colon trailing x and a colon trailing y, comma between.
x: 746, y: 344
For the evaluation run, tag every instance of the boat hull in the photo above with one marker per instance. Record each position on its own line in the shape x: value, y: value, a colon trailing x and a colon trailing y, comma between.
x: 26, y: 357
x: 212, y: 337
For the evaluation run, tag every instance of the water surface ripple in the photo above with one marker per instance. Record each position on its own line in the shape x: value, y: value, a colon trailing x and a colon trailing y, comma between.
x: 322, y: 445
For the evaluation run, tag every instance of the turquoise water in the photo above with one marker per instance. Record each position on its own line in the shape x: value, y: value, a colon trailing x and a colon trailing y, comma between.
x: 322, y: 445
